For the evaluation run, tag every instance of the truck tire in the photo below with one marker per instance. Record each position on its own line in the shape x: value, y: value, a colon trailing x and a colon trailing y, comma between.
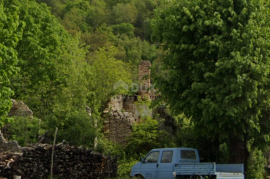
x: 138, y: 177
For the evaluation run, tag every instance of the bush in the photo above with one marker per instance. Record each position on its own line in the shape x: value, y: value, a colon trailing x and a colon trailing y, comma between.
x: 24, y: 130
x: 77, y: 128
x: 125, y: 164
x: 147, y: 135
x: 108, y: 147
x: 256, y: 164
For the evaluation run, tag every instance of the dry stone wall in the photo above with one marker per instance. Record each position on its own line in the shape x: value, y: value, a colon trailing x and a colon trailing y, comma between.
x: 118, y: 126
x: 122, y: 112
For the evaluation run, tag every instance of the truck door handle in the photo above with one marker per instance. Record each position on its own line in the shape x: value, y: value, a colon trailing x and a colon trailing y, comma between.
x: 157, y: 165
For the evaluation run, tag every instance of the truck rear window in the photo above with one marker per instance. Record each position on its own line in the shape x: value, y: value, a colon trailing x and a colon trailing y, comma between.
x: 188, y: 154
x: 166, y: 157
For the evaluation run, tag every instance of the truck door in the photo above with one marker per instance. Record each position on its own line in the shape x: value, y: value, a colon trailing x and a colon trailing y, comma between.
x: 165, y: 165
x: 149, y: 165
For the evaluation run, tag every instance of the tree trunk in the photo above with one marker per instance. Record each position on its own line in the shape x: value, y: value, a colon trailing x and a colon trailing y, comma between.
x: 238, y: 152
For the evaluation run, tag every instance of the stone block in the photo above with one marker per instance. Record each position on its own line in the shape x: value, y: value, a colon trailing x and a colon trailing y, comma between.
x: 117, y: 118
x: 115, y: 114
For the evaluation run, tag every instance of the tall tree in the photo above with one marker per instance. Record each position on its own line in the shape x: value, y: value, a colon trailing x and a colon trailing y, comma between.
x: 10, y: 33
x: 39, y: 53
x: 217, y: 58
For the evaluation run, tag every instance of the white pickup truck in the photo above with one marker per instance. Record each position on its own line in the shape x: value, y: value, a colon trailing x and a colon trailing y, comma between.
x: 182, y: 163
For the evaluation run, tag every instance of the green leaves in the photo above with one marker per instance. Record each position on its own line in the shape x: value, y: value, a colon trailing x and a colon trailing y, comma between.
x: 107, y: 71
x: 24, y: 130
x: 10, y: 34
x: 219, y: 53
x: 146, y: 135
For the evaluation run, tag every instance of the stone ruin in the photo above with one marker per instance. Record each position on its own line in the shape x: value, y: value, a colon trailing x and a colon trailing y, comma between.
x: 123, y: 111
x: 19, y: 109
x: 118, y: 124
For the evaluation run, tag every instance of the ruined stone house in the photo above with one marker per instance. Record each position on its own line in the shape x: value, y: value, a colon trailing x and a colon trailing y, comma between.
x: 123, y: 110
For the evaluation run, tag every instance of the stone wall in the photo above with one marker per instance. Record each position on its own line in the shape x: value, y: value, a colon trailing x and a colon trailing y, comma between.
x: 118, y: 126
x: 115, y: 103
x: 122, y: 112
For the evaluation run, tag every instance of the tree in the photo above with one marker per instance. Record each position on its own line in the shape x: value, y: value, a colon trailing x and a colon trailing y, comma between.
x: 217, y: 61
x: 107, y: 71
x: 124, y: 28
x: 98, y: 13
x: 10, y: 33
x: 39, y: 52
x: 145, y: 136
x: 133, y: 50
x: 124, y: 13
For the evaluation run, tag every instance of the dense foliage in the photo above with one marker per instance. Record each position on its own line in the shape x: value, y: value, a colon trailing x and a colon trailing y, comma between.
x: 60, y: 63
x: 217, y: 60
x: 211, y: 68
x: 10, y: 34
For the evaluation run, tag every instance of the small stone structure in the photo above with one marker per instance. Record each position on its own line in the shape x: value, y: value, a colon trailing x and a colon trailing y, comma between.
x: 19, y: 109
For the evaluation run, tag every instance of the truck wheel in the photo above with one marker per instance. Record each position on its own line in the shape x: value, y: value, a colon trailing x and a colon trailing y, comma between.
x: 138, y: 177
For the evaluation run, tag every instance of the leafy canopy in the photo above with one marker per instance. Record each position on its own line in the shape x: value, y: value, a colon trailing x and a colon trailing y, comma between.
x: 217, y: 61
x: 10, y: 33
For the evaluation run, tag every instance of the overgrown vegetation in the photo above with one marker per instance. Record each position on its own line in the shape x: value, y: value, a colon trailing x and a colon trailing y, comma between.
x: 211, y: 67
x: 217, y: 61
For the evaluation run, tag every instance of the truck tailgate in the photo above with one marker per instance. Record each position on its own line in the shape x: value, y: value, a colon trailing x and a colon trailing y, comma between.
x: 230, y: 168
x: 195, y: 169
x: 229, y: 176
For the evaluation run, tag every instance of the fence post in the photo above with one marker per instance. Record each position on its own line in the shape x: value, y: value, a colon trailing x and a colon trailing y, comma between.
x: 53, y: 151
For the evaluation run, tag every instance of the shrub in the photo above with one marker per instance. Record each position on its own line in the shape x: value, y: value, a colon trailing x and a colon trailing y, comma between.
x: 256, y: 164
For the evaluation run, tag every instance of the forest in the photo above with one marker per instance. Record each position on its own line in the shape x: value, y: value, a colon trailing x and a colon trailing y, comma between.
x: 210, y: 64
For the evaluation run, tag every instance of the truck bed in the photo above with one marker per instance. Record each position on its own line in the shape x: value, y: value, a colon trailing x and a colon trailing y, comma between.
x: 195, y: 169
x: 208, y: 169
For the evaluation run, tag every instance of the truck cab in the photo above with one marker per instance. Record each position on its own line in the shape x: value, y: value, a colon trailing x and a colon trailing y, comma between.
x: 171, y: 163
